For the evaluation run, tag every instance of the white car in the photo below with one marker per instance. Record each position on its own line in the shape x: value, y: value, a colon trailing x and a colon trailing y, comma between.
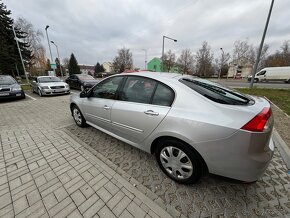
x: 49, y: 85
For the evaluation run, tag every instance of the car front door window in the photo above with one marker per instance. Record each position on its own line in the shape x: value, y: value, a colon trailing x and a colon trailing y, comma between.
x: 107, y: 89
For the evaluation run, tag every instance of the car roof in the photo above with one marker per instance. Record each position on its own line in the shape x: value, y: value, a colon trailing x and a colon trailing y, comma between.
x: 156, y: 75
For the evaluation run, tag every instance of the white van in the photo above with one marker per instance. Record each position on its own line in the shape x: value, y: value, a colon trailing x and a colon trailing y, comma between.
x: 272, y: 74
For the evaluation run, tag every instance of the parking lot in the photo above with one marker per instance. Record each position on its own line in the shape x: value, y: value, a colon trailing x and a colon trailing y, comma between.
x: 212, y: 196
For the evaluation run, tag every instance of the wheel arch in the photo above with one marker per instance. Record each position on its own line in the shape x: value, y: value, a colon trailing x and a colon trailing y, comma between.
x: 156, y: 141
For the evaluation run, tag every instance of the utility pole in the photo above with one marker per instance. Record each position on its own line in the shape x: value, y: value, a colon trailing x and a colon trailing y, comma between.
x: 222, y: 61
x: 145, y: 50
x: 162, y: 58
x: 49, y: 46
x: 58, y: 57
x: 261, y: 46
x: 15, y: 37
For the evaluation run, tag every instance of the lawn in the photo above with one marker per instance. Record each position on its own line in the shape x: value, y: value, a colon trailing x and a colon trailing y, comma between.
x: 26, y: 87
x: 280, y: 97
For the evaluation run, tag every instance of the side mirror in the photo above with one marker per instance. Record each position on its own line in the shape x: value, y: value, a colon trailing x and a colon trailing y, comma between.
x: 84, y: 94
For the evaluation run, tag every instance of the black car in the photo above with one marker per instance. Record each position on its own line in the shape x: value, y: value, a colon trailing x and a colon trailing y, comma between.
x: 9, y: 88
x: 81, y: 81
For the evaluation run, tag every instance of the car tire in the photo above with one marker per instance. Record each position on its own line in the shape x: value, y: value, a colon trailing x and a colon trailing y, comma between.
x: 78, y: 116
x: 256, y: 80
x: 39, y: 93
x: 186, y: 169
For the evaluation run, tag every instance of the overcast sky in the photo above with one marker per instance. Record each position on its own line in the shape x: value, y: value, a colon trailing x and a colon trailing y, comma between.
x: 95, y: 29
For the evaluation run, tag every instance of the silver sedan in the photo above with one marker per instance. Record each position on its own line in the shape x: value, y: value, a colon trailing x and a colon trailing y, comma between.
x: 191, y: 125
x: 49, y: 85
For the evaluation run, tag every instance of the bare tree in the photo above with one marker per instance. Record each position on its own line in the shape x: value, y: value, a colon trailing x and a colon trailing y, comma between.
x: 65, y: 62
x: 123, y: 61
x: 222, y: 63
x: 263, y: 57
x: 204, y: 61
x: 243, y: 53
x: 280, y: 57
x: 33, y: 39
x: 185, y: 61
x: 169, y: 61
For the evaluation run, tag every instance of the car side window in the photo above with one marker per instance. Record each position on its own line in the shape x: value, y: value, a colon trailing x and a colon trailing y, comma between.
x: 163, y: 95
x: 261, y: 73
x: 107, y: 89
x: 138, y: 89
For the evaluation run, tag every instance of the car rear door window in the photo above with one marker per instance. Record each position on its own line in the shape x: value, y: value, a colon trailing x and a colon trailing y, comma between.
x: 163, y: 96
x: 138, y: 89
x: 216, y: 92
x: 107, y: 88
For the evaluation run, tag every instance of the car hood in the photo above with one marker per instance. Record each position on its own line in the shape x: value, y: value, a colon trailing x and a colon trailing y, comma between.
x: 53, y: 84
x: 10, y: 86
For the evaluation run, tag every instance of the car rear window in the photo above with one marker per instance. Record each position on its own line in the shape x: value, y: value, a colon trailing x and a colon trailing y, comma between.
x: 216, y: 92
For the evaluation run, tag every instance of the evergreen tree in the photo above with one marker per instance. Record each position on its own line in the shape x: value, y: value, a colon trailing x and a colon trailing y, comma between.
x: 73, y: 67
x: 48, y: 67
x: 9, y: 55
x: 97, y: 69
x: 57, y: 70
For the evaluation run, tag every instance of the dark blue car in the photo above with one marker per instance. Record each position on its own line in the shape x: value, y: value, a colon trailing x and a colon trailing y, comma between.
x: 9, y: 88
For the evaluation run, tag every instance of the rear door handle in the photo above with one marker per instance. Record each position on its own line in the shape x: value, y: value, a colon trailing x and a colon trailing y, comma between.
x: 106, y: 107
x: 151, y: 112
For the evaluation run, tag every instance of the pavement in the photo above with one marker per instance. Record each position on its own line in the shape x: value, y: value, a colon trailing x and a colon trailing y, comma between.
x: 46, y: 173
x: 49, y: 167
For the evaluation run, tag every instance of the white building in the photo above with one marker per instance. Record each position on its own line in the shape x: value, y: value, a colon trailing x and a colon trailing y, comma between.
x: 87, y: 69
x: 240, y: 68
x: 108, y: 66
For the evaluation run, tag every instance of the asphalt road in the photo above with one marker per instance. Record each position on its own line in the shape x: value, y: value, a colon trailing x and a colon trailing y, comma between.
x: 244, y: 84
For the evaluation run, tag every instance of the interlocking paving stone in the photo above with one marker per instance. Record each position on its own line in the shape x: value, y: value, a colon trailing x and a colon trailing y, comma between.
x: 213, y: 195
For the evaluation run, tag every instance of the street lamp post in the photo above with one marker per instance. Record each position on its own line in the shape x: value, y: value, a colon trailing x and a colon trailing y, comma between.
x: 223, y: 54
x: 58, y: 57
x: 261, y: 45
x: 162, y: 58
x: 145, y: 50
x: 20, y: 55
x: 49, y: 45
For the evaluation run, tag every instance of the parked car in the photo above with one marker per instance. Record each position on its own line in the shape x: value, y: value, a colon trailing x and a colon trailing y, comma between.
x: 81, y: 81
x: 191, y: 125
x: 49, y: 85
x: 9, y: 88
x: 272, y: 74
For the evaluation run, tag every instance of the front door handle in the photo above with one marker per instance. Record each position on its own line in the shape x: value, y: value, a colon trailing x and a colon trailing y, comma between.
x: 151, y: 112
x: 106, y: 107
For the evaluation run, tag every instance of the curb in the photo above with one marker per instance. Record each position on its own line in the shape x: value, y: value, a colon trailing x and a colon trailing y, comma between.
x: 282, y: 147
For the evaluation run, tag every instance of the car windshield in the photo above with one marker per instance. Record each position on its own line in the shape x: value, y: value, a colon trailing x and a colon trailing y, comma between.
x: 49, y: 79
x: 85, y: 77
x: 216, y: 92
x: 6, y: 80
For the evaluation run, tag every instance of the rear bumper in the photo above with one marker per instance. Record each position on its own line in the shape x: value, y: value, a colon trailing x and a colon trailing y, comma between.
x: 244, y: 156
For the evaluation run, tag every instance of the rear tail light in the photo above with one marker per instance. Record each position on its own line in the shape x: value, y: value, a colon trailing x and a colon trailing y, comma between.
x: 260, y: 122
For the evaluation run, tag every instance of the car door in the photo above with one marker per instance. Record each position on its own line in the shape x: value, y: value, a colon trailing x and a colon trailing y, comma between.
x: 138, y: 111
x: 97, y: 107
